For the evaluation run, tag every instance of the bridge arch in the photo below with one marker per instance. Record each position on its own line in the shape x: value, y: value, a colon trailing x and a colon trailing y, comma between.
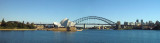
x: 107, y: 21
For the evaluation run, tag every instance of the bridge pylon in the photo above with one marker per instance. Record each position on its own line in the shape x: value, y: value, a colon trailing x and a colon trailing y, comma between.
x: 84, y: 26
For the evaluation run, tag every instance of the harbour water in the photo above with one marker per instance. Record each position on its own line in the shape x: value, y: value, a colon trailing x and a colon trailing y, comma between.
x: 85, y: 36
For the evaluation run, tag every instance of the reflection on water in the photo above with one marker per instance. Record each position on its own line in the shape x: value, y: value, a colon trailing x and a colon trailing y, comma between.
x: 86, y: 36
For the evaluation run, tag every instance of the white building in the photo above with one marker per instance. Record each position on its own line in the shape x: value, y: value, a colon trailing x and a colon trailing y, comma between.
x: 57, y: 24
x: 71, y: 24
x: 131, y: 23
x: 65, y: 23
x: 137, y: 23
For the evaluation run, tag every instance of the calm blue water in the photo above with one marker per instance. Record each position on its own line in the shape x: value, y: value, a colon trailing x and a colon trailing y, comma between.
x: 86, y: 36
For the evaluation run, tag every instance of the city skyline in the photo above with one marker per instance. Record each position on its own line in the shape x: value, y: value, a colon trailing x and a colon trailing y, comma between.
x: 54, y: 11
x: 98, y: 21
x: 79, y: 21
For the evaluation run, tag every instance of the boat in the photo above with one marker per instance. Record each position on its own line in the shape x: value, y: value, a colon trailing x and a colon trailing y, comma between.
x: 79, y: 29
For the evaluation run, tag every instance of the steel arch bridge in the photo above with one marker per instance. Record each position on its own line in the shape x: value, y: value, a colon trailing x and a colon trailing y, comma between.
x: 108, y: 22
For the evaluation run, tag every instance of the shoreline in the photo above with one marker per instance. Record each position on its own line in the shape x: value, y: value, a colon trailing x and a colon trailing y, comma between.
x: 18, y: 29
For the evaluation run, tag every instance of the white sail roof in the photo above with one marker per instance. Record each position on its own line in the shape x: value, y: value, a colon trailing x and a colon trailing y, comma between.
x: 66, y: 23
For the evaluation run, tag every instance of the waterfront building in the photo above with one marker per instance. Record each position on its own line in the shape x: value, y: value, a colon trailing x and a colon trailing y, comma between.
x: 70, y: 24
x: 56, y: 24
x: 142, y: 23
x: 137, y: 23
x: 66, y: 23
x: 137, y: 20
x: 147, y: 23
x: 39, y: 26
x: 131, y: 23
x: 49, y: 26
x: 141, y: 20
x: 118, y: 25
x: 126, y: 23
x: 157, y: 22
x: 151, y: 23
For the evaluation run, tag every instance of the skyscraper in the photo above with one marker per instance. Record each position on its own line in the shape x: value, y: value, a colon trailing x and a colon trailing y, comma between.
x: 137, y: 20
x: 137, y: 23
x: 118, y: 25
x: 142, y: 23
x: 157, y: 22
x: 147, y: 23
x: 126, y: 23
x: 151, y: 23
x: 132, y: 23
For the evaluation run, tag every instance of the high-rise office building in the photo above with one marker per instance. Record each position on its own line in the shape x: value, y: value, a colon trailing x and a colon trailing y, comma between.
x: 137, y: 20
x: 142, y: 23
x: 157, y: 22
x: 131, y: 23
x: 118, y: 25
x: 147, y: 23
x: 126, y: 23
x: 151, y: 23
x: 137, y: 23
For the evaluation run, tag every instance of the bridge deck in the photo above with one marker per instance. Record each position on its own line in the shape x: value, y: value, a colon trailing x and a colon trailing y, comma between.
x: 94, y: 24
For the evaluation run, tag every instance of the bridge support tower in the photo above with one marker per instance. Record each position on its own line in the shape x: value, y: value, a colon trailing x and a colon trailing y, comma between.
x: 84, y: 26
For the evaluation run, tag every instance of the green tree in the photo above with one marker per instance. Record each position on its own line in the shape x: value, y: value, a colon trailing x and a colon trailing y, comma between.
x: 20, y: 25
x: 10, y: 25
x: 32, y: 26
x: 3, y: 24
x: 27, y: 23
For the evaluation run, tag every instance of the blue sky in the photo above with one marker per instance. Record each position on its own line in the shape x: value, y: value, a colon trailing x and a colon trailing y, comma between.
x: 49, y: 11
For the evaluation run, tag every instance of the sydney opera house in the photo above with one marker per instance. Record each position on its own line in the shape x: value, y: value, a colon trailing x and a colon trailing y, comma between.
x: 64, y: 23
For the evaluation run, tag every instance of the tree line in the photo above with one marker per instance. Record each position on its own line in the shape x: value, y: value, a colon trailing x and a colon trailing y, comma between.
x: 16, y: 25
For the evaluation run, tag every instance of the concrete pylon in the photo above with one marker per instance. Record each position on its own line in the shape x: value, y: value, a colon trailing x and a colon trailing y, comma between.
x: 84, y: 26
